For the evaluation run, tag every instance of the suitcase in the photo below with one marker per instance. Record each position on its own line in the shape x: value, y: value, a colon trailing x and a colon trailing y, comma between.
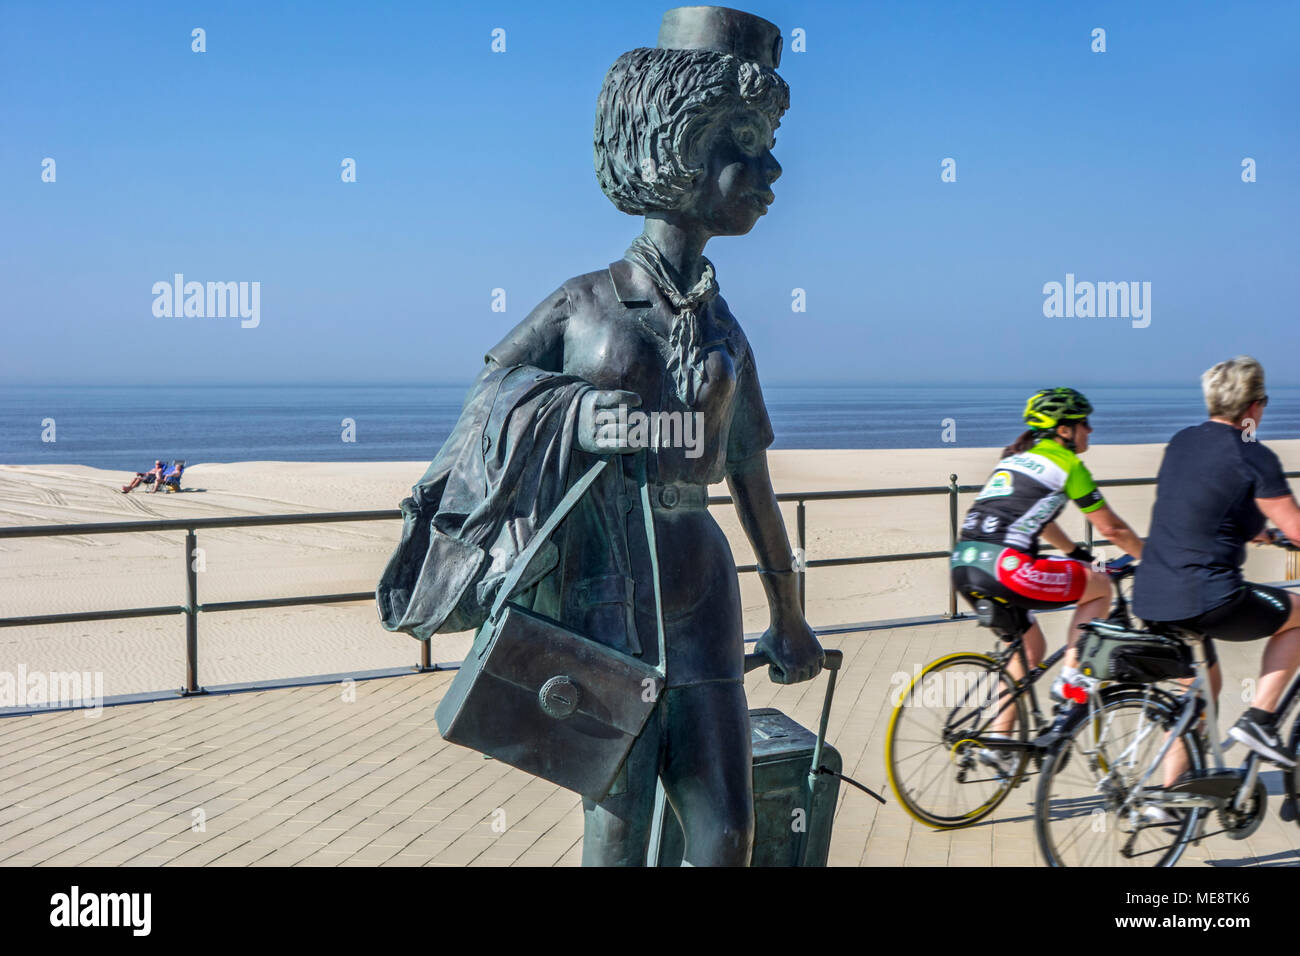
x: 796, y: 786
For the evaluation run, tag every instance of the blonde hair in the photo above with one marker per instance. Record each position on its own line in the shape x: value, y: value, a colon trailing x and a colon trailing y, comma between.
x: 1231, y: 386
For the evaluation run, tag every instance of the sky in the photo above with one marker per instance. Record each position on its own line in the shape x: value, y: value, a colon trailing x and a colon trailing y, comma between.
x: 474, y: 173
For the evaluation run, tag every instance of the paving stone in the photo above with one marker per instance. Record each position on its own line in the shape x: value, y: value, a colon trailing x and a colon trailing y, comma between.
x: 290, y: 777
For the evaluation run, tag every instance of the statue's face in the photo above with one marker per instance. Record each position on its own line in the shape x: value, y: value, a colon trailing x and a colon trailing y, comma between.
x: 736, y: 186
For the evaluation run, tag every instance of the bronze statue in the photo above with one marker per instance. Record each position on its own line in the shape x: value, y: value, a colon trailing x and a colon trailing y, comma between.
x: 683, y: 137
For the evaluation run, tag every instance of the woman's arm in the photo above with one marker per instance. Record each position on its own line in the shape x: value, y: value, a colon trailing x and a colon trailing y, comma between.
x: 539, y: 339
x: 1057, y: 538
x: 1284, y: 513
x: 751, y: 487
x: 789, y: 642
x: 1114, y: 529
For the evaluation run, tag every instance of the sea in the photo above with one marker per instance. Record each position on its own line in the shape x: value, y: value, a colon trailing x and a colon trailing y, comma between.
x: 126, y: 428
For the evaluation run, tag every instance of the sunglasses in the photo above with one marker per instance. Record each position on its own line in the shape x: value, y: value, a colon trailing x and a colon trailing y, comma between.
x: 1263, y: 402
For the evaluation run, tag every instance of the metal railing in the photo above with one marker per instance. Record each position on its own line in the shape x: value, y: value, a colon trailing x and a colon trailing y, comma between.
x: 192, y: 608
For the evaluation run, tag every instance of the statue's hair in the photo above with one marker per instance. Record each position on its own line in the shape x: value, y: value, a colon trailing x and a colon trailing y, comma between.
x: 654, y: 113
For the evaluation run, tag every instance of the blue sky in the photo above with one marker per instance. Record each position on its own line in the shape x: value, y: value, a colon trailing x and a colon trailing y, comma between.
x: 474, y: 172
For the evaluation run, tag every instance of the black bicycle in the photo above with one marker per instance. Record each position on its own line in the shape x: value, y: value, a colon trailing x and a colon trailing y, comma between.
x: 945, y: 764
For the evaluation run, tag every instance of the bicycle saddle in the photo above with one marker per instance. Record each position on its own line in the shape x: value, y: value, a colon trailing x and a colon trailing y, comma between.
x: 1173, y: 630
x: 1007, y: 620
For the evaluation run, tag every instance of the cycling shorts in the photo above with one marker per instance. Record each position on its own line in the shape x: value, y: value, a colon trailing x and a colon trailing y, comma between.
x: 1016, y: 577
x: 1255, y: 611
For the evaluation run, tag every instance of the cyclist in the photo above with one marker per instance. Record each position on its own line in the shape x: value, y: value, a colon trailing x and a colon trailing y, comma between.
x: 997, y: 556
x: 1216, y: 486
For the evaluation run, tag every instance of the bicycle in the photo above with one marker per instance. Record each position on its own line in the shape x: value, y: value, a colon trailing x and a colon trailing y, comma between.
x: 1097, y: 804
x: 951, y: 778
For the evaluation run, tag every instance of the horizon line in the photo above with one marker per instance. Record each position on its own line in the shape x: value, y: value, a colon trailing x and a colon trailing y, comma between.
x: 416, y: 461
x: 771, y: 383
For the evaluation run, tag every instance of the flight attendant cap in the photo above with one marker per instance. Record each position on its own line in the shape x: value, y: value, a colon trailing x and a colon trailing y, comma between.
x: 722, y: 30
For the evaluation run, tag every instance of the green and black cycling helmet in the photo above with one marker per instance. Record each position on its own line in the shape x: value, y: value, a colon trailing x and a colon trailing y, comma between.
x: 1055, y: 406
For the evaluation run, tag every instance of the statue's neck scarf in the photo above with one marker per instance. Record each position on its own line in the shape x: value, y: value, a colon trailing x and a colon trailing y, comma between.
x: 685, y: 353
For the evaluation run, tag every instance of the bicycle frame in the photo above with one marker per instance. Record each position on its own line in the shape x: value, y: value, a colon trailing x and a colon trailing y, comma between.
x: 1188, y: 712
x: 1024, y: 685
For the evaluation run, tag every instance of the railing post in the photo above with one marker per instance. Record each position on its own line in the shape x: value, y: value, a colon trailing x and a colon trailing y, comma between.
x: 426, y: 662
x: 952, y: 540
x: 191, y: 617
x: 801, y: 554
x: 1087, y: 534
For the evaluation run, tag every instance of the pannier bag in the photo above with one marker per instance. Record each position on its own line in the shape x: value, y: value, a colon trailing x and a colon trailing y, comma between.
x: 1113, y: 653
x: 547, y: 700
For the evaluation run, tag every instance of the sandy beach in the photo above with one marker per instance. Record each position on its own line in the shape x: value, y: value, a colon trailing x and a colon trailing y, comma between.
x: 80, y: 573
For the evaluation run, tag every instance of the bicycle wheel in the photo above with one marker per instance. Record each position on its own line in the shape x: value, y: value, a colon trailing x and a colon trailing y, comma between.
x: 933, y: 756
x: 1080, y: 815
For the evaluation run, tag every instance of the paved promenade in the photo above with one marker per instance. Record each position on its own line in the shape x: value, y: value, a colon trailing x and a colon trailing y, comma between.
x: 357, y: 775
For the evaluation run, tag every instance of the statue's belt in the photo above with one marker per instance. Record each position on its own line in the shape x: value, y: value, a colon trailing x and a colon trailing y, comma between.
x: 678, y: 496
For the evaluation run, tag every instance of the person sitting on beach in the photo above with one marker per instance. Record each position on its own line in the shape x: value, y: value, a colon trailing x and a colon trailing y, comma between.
x: 1217, y: 487
x: 153, y: 476
x: 172, y: 477
x: 997, y: 555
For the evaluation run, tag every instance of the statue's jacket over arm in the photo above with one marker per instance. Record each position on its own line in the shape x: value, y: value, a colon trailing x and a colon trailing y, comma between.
x: 508, y: 461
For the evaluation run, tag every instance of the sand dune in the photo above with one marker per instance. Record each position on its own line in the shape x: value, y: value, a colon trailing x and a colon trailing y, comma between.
x: 95, y: 572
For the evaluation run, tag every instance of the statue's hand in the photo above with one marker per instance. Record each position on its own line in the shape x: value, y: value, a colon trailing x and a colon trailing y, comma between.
x: 601, y: 429
x: 794, y: 651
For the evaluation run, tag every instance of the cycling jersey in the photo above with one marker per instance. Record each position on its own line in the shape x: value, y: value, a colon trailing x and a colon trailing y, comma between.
x: 1026, y: 492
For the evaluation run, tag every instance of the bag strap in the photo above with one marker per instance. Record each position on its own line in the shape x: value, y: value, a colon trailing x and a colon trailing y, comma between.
x: 648, y: 512
x: 566, y: 504
x: 561, y: 511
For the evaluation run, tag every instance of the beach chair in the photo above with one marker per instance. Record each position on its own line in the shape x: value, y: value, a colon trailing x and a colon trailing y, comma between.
x: 172, y: 479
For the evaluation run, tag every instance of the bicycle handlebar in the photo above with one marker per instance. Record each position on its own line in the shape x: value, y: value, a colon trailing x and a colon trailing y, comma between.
x: 1120, y: 568
x: 1279, y: 540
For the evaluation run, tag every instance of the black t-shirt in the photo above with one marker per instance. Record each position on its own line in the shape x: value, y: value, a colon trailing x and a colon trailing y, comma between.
x: 1204, y: 514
